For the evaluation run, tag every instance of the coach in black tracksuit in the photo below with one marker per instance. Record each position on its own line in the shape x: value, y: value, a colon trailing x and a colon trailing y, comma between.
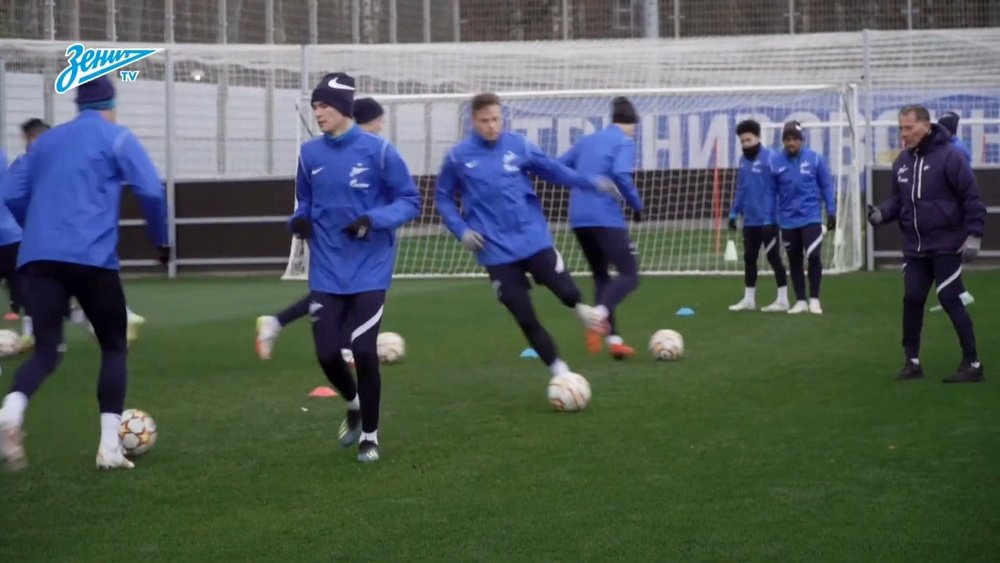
x: 936, y: 200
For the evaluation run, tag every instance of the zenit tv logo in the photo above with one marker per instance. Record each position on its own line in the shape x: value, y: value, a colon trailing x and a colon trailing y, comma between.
x: 84, y: 65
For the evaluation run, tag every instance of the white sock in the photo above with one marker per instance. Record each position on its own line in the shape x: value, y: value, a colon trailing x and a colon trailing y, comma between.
x: 558, y: 367
x: 110, y: 423
x: 27, y: 328
x: 915, y: 361
x: 783, y: 294
x: 370, y: 436
x: 613, y: 339
x: 975, y: 364
x: 814, y: 300
x: 750, y: 295
x: 602, y: 311
x: 354, y: 404
x: 13, y: 408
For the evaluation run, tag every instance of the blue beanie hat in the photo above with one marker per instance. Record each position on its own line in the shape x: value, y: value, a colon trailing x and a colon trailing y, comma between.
x: 366, y: 110
x: 99, y: 93
x: 337, y: 91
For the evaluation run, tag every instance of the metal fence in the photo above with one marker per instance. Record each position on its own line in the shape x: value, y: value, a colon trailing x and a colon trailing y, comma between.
x: 425, y: 21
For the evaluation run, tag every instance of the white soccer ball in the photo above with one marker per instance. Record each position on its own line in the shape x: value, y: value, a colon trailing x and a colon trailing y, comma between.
x: 569, y: 392
x: 666, y: 344
x: 391, y: 347
x: 10, y: 343
x: 137, y: 431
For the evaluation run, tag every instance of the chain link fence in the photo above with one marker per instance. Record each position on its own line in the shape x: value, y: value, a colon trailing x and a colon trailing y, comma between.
x: 426, y: 21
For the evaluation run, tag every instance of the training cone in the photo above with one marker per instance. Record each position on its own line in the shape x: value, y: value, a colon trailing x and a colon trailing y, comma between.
x: 529, y: 353
x: 323, y: 392
x: 730, y: 255
x: 685, y: 312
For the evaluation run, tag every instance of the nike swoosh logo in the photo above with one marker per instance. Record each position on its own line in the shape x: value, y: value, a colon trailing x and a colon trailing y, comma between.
x: 338, y: 86
x: 471, y: 164
x: 316, y: 171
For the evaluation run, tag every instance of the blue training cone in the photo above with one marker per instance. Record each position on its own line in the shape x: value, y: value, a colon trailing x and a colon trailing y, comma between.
x: 685, y: 312
x: 529, y: 353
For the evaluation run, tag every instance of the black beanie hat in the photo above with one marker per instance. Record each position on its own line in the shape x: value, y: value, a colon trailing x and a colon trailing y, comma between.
x: 337, y: 91
x: 950, y: 122
x: 748, y: 126
x: 792, y: 129
x: 366, y: 110
x: 99, y: 93
x: 622, y: 111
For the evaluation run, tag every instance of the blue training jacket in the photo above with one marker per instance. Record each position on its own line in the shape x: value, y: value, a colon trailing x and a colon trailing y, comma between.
x: 756, y: 191
x: 69, y: 192
x: 498, y: 197
x: 338, y: 181
x: 803, y: 186
x: 611, y: 153
x: 10, y: 230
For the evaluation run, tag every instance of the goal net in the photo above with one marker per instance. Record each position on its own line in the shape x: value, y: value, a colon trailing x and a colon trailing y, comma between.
x: 686, y: 158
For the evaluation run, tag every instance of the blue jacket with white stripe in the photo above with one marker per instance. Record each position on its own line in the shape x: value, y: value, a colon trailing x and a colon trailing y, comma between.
x: 803, y: 187
x: 611, y: 153
x: 934, y: 197
x: 498, y: 198
x: 756, y: 191
x: 339, y: 180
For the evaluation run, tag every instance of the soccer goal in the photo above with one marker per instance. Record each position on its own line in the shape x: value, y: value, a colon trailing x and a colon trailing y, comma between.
x: 686, y: 158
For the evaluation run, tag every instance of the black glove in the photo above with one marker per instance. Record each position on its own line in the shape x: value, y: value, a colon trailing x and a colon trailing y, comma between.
x: 163, y: 255
x: 636, y: 216
x: 359, y: 228
x: 831, y: 223
x: 302, y: 227
x: 732, y: 223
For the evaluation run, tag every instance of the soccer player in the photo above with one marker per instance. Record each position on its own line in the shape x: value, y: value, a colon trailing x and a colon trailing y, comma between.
x: 10, y: 240
x: 596, y: 217
x: 30, y: 130
x: 950, y: 122
x: 756, y: 201
x: 501, y: 220
x: 368, y: 114
x: 803, y: 187
x: 353, y: 191
x: 70, y: 186
x: 937, y: 203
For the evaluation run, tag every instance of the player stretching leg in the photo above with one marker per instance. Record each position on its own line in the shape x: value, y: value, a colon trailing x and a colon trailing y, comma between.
x: 68, y: 250
x: 369, y: 115
x: 353, y: 191
x: 501, y: 220
x: 596, y: 218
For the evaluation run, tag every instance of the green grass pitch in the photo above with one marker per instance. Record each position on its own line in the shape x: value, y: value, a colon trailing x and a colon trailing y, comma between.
x: 776, y: 438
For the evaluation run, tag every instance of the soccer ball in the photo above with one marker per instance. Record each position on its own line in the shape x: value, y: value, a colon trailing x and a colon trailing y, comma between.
x: 391, y: 347
x: 666, y: 344
x: 137, y: 432
x: 569, y: 392
x: 10, y: 343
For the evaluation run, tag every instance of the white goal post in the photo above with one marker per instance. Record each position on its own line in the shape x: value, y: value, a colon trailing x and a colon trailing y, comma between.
x: 686, y: 156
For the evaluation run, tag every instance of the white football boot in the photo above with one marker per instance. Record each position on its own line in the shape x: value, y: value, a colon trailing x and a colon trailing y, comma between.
x: 113, y: 458
x: 814, y: 306
x: 743, y: 305
x: 801, y: 306
x: 779, y: 306
x: 12, y: 448
x: 268, y: 329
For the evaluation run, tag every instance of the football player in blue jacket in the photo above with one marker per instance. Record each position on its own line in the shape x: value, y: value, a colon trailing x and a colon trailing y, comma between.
x: 756, y: 201
x: 368, y: 114
x: 950, y: 122
x: 69, y: 191
x: 596, y: 217
x: 501, y: 220
x: 804, y: 186
x: 353, y: 191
